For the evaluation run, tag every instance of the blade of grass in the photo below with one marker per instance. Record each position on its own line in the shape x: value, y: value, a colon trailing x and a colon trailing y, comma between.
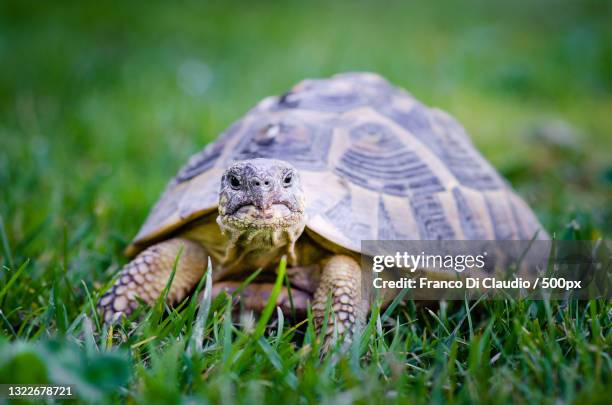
x: 197, y: 337
x: 227, y: 333
x: 433, y: 314
x: 468, y: 314
x: 12, y: 280
x: 276, y: 362
x: 267, y: 312
x: 263, y: 319
x: 294, y: 327
x: 193, y: 303
x: 398, y: 298
x: 326, y: 317
x: 8, y: 324
x: 156, y: 312
x: 288, y: 285
x: 246, y: 282
x: 281, y: 324
x: 88, y: 336
x: 91, y: 304
x: 5, y: 244
x: 371, y: 326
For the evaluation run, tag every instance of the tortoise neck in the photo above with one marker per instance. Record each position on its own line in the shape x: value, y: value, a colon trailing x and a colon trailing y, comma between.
x: 260, y: 247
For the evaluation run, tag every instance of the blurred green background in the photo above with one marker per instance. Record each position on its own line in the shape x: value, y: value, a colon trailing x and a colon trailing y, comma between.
x: 102, y: 102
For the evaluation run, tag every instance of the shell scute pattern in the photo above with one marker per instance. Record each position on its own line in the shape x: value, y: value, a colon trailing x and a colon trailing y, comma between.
x: 500, y: 217
x: 333, y: 95
x: 431, y: 217
x: 341, y: 215
x: 387, y: 229
x: 471, y: 223
x: 305, y: 144
x: 448, y: 141
x: 377, y: 159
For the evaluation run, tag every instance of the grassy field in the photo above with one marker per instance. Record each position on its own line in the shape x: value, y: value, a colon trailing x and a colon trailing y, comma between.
x: 100, y: 104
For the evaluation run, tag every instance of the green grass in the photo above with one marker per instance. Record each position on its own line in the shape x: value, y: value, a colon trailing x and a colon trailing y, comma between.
x: 101, y: 103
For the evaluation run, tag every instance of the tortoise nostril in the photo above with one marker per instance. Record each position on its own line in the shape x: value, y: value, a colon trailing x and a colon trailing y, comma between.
x: 261, y: 183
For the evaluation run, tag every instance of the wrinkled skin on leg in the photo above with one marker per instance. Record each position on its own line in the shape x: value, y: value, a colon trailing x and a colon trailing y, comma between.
x: 340, y: 286
x: 147, y: 275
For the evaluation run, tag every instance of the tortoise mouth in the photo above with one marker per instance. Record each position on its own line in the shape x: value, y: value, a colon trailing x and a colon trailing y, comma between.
x: 281, y: 208
x: 275, y: 211
x: 275, y: 216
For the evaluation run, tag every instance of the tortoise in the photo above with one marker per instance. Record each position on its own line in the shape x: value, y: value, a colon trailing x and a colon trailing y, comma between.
x: 310, y: 174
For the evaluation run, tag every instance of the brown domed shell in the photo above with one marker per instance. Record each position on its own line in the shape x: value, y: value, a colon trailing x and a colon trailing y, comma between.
x: 375, y: 164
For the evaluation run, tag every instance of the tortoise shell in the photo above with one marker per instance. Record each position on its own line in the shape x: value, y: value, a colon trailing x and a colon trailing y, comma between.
x: 376, y: 164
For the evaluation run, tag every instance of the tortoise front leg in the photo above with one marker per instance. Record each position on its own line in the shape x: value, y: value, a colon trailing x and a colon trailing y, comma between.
x: 340, y: 281
x: 147, y: 275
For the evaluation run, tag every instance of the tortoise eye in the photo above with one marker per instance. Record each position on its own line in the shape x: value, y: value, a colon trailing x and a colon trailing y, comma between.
x: 288, y: 180
x: 234, y: 181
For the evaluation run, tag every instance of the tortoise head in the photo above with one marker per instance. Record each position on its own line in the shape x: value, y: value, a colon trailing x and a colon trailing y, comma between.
x: 262, y: 197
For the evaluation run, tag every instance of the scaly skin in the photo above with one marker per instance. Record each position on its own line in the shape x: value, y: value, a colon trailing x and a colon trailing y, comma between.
x: 146, y: 277
x: 262, y: 215
x: 340, y: 283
